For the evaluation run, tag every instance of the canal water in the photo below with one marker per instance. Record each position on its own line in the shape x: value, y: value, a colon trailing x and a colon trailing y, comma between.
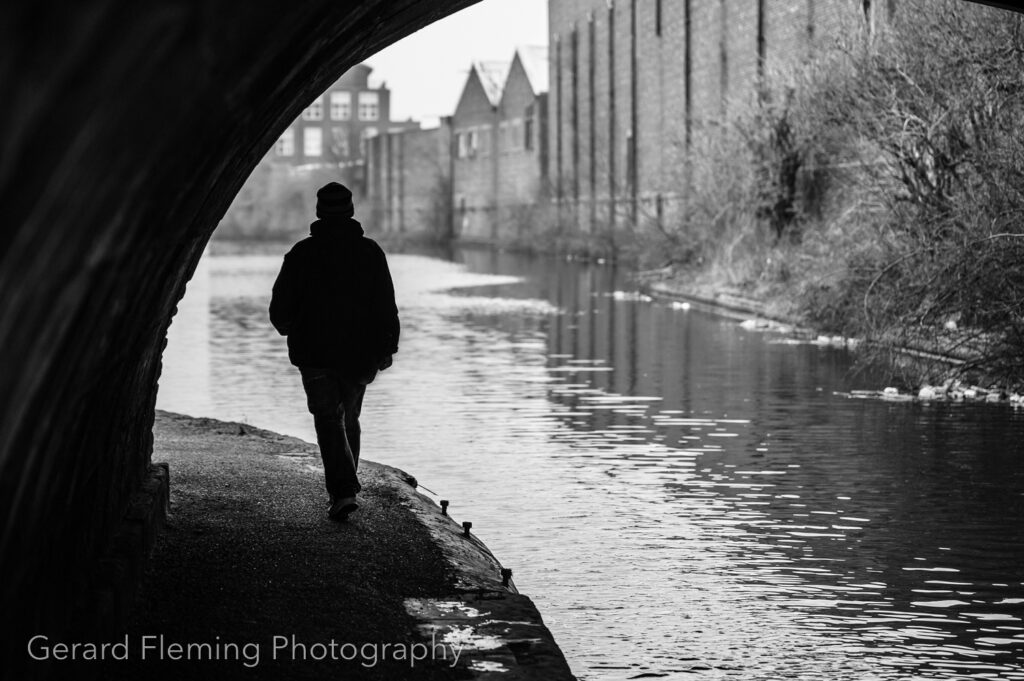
x: 682, y: 497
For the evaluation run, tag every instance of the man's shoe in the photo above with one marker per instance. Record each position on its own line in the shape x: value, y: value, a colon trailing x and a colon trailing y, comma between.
x: 341, y: 507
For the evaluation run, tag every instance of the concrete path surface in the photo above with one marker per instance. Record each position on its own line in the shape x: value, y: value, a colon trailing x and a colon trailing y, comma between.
x: 250, y: 579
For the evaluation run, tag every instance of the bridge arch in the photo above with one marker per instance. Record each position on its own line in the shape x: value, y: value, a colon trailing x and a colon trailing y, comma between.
x: 127, y: 130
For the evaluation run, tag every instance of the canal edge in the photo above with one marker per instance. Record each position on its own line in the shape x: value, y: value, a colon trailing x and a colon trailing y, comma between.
x: 498, y: 631
x: 739, y: 309
x: 723, y: 305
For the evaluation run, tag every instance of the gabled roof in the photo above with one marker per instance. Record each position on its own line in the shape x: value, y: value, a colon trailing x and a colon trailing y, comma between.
x: 492, y: 76
x: 534, y: 59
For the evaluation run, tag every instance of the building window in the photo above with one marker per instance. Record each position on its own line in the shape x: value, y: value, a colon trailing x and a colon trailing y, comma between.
x: 483, y: 140
x: 468, y: 143
x: 314, y: 112
x: 528, y: 133
x: 369, y: 106
x: 341, y: 106
x: 312, y: 142
x: 286, y: 143
x: 515, y: 130
x: 339, y: 142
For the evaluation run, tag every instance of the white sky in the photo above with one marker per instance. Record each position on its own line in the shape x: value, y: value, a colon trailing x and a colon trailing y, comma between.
x: 427, y: 70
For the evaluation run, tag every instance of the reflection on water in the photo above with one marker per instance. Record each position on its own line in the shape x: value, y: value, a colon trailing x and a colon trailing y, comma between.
x: 682, y: 497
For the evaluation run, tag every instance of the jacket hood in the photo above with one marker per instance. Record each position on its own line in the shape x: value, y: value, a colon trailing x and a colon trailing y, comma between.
x: 336, y: 227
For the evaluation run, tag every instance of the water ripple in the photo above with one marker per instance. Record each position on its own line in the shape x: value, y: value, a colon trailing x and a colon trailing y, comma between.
x: 681, y: 496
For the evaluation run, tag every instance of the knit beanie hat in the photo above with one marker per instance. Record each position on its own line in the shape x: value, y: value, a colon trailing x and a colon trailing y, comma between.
x: 334, y: 201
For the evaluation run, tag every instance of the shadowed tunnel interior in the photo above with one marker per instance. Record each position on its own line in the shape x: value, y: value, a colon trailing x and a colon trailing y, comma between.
x: 128, y: 129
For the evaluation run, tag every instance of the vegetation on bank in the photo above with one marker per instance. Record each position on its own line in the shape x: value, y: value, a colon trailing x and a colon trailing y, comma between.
x: 878, y: 192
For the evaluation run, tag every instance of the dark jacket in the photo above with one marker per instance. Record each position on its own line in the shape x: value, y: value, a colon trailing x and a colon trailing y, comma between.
x: 335, y: 301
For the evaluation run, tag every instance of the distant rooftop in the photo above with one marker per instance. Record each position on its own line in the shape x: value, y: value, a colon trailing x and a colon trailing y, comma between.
x: 492, y: 77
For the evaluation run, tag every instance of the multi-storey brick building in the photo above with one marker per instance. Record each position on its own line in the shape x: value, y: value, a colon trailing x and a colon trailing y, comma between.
x: 475, y: 168
x: 334, y: 127
x: 521, y: 145
x: 633, y: 81
x: 488, y: 159
x: 408, y: 180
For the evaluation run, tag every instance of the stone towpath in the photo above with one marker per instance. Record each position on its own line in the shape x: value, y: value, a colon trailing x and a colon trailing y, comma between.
x: 249, y: 569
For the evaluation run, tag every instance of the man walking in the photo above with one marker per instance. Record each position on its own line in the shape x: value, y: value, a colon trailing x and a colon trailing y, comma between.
x: 335, y: 302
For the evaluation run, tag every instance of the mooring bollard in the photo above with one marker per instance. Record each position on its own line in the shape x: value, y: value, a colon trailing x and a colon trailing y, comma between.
x: 444, y: 507
x: 506, y: 575
x: 466, y: 527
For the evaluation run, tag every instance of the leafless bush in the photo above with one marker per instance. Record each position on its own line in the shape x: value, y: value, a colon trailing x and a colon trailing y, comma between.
x: 933, y: 109
x: 880, y: 187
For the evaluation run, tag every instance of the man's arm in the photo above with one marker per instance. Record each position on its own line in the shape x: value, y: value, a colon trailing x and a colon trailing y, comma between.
x: 387, y: 310
x: 284, y: 303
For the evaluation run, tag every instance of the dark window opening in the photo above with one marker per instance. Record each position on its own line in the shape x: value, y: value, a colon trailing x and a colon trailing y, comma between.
x: 723, y: 54
x: 810, y: 22
x: 687, y: 73
x: 612, y: 141
x: 592, y: 113
x: 560, y: 129
x: 575, y: 114
x: 762, y: 46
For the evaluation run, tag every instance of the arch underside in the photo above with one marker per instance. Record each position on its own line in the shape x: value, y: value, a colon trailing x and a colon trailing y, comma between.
x: 127, y: 130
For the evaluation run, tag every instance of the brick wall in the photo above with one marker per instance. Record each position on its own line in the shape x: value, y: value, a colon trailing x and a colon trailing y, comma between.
x: 419, y: 165
x: 475, y: 174
x: 623, y: 92
x: 520, y: 177
x: 672, y: 85
x: 408, y: 173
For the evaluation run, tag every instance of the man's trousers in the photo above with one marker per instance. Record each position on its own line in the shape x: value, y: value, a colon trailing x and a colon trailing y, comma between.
x: 335, y: 403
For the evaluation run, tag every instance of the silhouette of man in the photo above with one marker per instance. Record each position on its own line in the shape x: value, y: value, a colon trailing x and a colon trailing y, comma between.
x: 335, y: 302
